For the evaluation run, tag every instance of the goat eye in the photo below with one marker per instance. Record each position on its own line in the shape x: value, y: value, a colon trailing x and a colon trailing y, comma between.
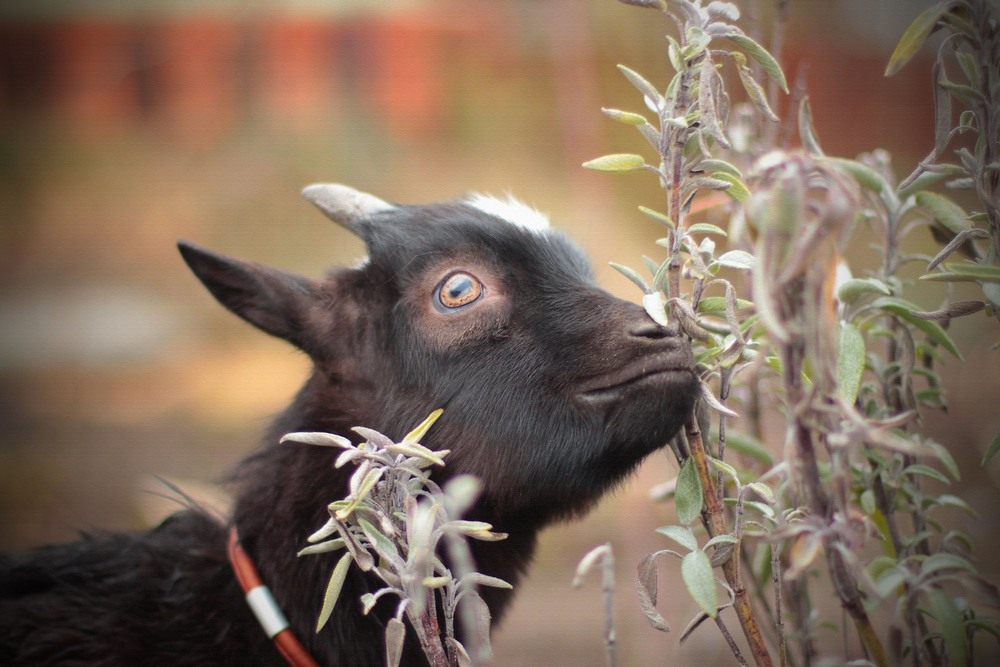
x: 459, y: 289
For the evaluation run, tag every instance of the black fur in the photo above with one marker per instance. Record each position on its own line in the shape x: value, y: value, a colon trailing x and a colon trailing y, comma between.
x: 553, y: 391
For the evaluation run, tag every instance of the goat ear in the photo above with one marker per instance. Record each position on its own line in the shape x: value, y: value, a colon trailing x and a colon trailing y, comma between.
x: 345, y: 205
x: 274, y: 301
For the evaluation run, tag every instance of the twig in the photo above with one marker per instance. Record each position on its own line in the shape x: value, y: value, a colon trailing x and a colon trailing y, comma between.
x: 779, y: 621
x: 729, y: 640
x: 731, y: 568
x: 426, y: 626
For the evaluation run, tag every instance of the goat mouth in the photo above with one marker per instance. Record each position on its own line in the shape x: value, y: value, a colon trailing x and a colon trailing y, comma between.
x: 646, y: 375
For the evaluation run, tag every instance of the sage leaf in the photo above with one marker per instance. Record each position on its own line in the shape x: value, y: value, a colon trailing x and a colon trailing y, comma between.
x: 905, y: 310
x: 322, y: 547
x: 805, y: 550
x: 696, y: 571
x: 333, y: 590
x: 755, y: 93
x: 944, y: 210
x: 763, y: 58
x: 588, y: 561
x: 807, y: 133
x: 385, y: 547
x: 616, y: 162
x: 952, y: 310
x: 926, y: 471
x: 951, y: 626
x: 655, y: 308
x: 661, y: 218
x: 762, y: 490
x: 682, y: 535
x: 992, y: 449
x: 944, y: 561
x: 395, y: 633
x: 646, y: 584
x: 687, y: 495
x: 420, y: 431
x: 318, y: 438
x: 851, y: 290
x: 737, y: 189
x: 914, y: 36
x: 632, y: 275
x: 647, y: 89
x: 706, y: 228
x: 977, y: 272
x: 724, y: 468
x: 626, y: 117
x: 480, y: 579
x: 750, y: 446
x: 736, y: 259
x: 850, y: 362
x: 865, y: 176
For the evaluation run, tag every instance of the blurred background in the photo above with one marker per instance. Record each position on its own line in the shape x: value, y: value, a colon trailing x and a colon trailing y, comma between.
x: 125, y: 126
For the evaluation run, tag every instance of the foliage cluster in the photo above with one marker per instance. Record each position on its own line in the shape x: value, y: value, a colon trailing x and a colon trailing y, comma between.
x: 391, y: 525
x: 852, y: 362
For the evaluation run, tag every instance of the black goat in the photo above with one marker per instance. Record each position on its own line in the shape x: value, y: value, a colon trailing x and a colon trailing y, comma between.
x: 553, y: 391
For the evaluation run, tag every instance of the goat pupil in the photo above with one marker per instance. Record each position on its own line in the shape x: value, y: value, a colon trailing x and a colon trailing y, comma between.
x: 459, y: 290
x: 461, y: 286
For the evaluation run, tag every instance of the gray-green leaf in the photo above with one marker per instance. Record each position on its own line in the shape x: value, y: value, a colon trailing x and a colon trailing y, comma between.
x: 696, y: 570
x: 862, y: 173
x: 385, y: 547
x: 763, y: 490
x: 763, y: 58
x: 850, y: 362
x: 632, y: 275
x: 736, y: 259
x: 616, y: 162
x: 647, y: 89
x: 905, y: 310
x: 992, y: 450
x: 395, y: 633
x: 706, y: 228
x: 951, y: 624
x: 944, y: 210
x: 968, y: 273
x: 850, y: 290
x: 737, y: 189
x: 627, y: 117
x: 914, y: 37
x: 680, y: 534
x: 333, y: 590
x: 645, y: 582
x: 687, y: 495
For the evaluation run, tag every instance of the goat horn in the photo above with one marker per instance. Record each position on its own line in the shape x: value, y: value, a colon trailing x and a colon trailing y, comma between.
x: 343, y: 204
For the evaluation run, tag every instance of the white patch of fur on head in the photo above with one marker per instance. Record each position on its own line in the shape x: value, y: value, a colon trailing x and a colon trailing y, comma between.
x: 511, y: 210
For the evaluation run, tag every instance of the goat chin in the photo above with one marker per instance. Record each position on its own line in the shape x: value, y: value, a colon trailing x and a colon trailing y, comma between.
x: 553, y: 392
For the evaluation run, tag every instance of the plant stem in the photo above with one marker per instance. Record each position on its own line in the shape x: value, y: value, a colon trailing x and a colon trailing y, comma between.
x: 608, y: 590
x: 988, y: 180
x: 717, y: 526
x: 844, y: 582
x: 425, y: 624
x: 673, y: 139
x: 729, y: 640
x: 779, y: 622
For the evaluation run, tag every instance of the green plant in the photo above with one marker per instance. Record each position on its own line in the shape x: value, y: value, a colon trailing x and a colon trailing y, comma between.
x: 965, y: 76
x: 391, y: 525
x: 852, y: 362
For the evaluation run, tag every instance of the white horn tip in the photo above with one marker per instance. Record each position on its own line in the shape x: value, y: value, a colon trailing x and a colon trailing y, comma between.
x: 343, y: 204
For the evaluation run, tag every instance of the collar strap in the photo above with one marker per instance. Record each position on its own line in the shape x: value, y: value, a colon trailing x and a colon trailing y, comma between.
x: 264, y: 606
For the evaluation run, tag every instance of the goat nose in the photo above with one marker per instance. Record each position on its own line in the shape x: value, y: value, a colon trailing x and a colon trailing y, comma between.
x: 650, y: 330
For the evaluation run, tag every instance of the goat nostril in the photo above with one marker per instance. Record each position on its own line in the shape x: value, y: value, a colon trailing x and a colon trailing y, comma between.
x: 650, y: 330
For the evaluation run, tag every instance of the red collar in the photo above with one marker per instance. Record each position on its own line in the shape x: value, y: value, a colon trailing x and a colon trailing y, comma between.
x: 265, y: 607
